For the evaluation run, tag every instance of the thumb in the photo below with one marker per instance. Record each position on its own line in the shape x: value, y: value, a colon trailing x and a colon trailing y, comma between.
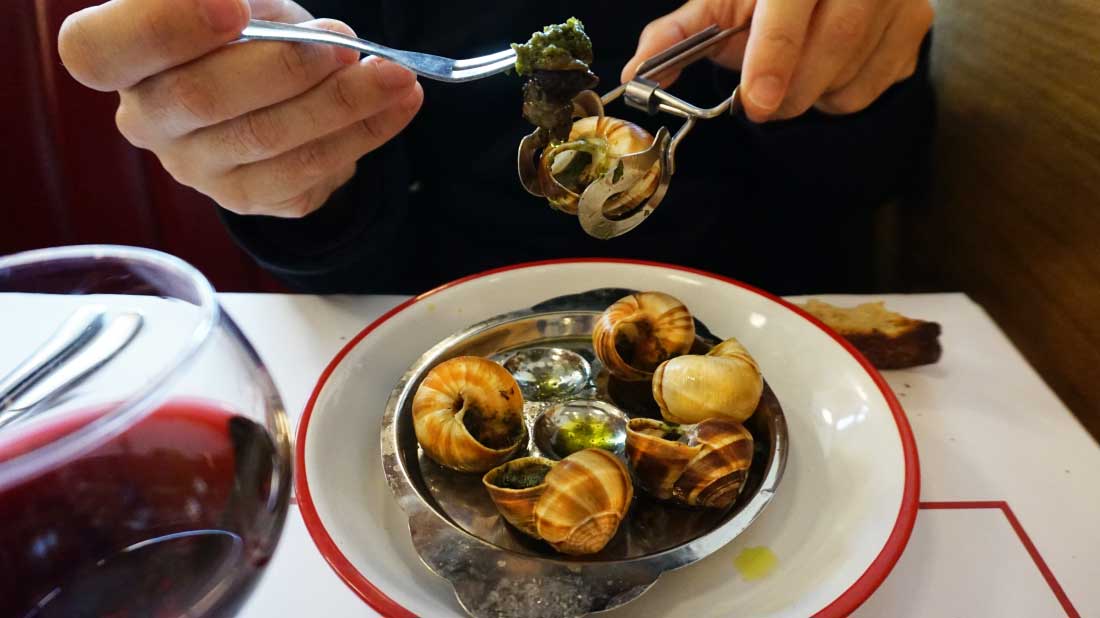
x: 694, y: 16
x: 117, y: 44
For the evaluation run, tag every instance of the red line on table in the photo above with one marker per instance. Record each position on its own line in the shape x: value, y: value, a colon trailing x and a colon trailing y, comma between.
x: 1032, y: 551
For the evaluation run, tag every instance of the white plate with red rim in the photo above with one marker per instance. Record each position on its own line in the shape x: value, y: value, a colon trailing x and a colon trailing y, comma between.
x: 838, y: 523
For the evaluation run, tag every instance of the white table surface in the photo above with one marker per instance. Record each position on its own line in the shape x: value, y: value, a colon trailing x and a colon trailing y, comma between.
x: 994, y: 443
x: 1009, y: 478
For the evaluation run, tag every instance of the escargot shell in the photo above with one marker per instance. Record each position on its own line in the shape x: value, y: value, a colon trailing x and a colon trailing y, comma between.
x: 594, y: 147
x: 515, y: 487
x: 639, y: 332
x: 468, y: 414
x: 576, y: 504
x: 725, y: 382
x: 697, y: 465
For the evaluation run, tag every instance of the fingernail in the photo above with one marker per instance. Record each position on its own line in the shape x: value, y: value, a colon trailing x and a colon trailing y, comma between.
x: 394, y: 76
x: 627, y: 72
x: 767, y: 92
x: 223, y: 15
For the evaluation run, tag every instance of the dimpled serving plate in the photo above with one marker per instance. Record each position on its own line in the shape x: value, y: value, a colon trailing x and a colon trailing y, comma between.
x: 497, y: 571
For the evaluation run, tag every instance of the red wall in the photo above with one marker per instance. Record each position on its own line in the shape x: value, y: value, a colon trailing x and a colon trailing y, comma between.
x: 70, y: 178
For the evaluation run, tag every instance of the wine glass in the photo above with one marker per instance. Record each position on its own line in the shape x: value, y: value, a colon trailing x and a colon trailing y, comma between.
x: 155, y: 486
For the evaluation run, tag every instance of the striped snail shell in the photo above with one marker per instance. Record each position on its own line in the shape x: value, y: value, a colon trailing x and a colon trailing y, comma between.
x: 575, y: 505
x: 468, y: 414
x: 639, y: 332
x: 703, y: 465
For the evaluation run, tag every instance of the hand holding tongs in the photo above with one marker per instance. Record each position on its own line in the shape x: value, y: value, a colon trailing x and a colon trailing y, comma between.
x: 645, y: 94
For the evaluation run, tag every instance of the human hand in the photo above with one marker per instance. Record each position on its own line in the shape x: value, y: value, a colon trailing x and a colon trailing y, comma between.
x: 835, y: 55
x: 261, y: 127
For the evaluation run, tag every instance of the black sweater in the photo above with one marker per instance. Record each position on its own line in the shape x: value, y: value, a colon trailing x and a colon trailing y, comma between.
x: 785, y: 205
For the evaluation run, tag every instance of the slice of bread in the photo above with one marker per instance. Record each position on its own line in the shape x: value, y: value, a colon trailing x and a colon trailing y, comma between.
x: 889, y: 340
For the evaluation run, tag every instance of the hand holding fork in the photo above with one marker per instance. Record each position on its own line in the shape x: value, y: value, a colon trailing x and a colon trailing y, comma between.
x: 262, y: 128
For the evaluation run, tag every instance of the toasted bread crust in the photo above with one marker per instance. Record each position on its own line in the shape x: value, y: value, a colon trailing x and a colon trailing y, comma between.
x: 888, y: 340
x: 918, y: 346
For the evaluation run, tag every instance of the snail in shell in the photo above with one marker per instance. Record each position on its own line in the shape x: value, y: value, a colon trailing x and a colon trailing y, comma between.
x: 468, y: 414
x: 594, y: 147
x: 639, y: 332
x: 725, y: 382
x: 702, y: 465
x: 575, y: 505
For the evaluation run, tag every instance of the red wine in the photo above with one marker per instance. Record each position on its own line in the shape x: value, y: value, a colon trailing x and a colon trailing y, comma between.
x: 173, y: 515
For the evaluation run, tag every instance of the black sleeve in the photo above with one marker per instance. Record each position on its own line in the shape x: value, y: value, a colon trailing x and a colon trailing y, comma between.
x: 864, y: 158
x: 350, y: 244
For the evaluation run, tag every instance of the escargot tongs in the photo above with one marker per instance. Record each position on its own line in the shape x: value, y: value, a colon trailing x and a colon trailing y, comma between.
x: 645, y: 94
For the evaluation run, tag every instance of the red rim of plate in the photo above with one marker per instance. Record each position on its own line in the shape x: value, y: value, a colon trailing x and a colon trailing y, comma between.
x: 843, y: 605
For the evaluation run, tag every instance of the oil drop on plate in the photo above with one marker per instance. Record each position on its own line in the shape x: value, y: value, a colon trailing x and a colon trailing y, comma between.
x: 755, y: 563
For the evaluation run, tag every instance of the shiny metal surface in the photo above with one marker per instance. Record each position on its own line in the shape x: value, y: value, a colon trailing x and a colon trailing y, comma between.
x: 496, y: 571
x: 73, y: 334
x: 567, y: 427
x: 548, y: 373
x: 94, y: 352
x: 632, y: 168
x: 426, y: 65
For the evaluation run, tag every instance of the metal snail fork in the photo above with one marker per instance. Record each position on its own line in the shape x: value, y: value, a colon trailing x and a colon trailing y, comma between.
x: 425, y: 65
x: 645, y: 94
